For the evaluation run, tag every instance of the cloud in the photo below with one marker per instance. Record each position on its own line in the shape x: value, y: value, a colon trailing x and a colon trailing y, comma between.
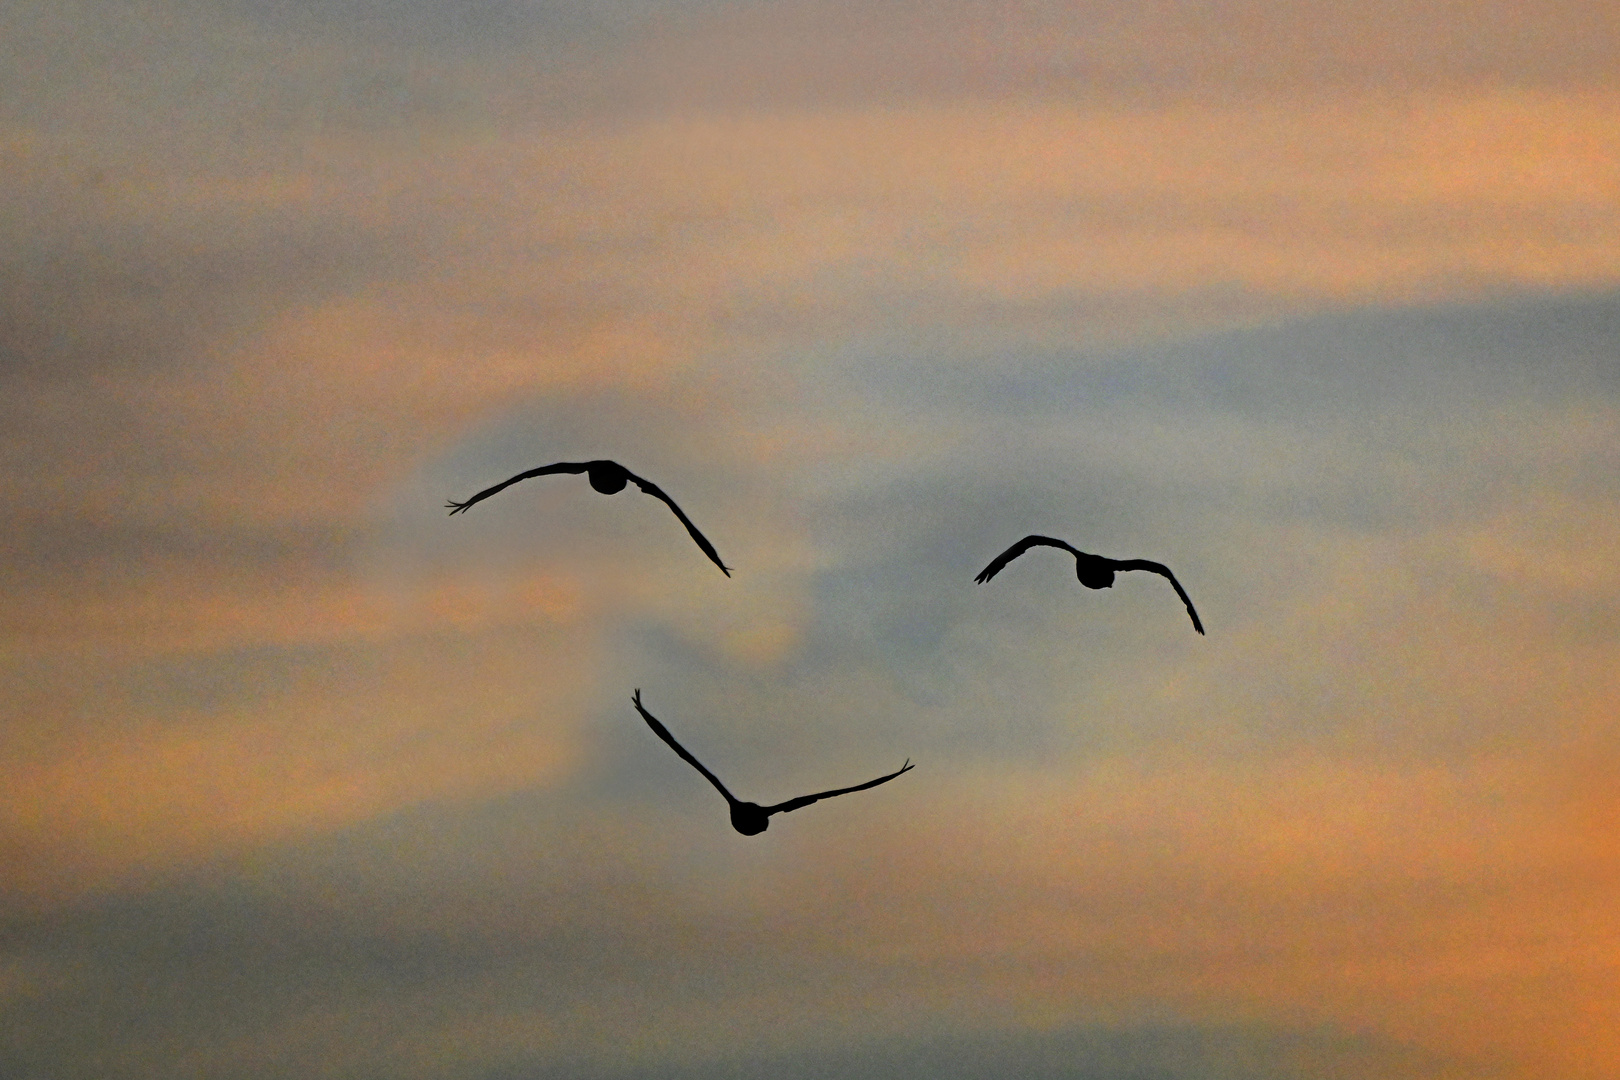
x: 857, y: 635
x: 301, y: 774
x: 1174, y: 895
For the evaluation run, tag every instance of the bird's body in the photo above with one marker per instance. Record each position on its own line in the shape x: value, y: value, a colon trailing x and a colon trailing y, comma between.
x: 748, y: 818
x: 609, y: 478
x: 1094, y: 571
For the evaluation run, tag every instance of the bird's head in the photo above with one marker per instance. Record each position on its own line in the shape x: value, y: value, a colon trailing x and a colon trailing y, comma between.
x: 608, y: 477
x: 748, y: 818
x: 1094, y: 574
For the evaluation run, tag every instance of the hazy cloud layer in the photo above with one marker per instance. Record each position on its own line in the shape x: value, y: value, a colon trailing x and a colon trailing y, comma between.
x: 1316, y: 303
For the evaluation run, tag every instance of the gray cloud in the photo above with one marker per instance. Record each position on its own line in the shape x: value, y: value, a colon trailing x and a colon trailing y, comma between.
x: 1413, y: 363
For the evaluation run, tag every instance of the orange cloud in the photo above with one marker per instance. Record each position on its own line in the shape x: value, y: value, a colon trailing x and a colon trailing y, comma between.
x: 133, y: 794
x: 1460, y: 910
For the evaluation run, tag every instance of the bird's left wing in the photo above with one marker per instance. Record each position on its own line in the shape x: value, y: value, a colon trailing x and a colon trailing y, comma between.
x: 1164, y: 571
x: 1018, y: 549
x: 544, y: 470
x: 702, y: 541
x: 806, y: 800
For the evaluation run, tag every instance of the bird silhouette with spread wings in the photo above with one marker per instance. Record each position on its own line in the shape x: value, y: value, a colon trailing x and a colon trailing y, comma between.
x: 748, y: 818
x: 608, y: 477
x: 1094, y: 571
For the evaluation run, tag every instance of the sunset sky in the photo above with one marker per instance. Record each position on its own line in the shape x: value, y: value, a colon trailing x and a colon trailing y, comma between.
x: 1315, y: 301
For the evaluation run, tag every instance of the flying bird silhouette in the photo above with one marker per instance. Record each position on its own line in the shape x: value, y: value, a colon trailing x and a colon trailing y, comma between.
x: 748, y: 818
x: 608, y: 477
x: 1094, y: 571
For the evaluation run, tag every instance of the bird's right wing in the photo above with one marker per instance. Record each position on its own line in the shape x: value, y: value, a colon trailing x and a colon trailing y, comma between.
x: 1016, y: 550
x: 544, y: 470
x: 1163, y: 571
x: 663, y: 733
x: 806, y: 800
x: 692, y: 530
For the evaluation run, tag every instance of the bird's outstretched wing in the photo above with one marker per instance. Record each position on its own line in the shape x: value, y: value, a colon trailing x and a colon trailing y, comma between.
x: 702, y: 541
x: 1018, y: 549
x: 806, y: 800
x: 544, y: 470
x: 1160, y: 568
x: 663, y: 733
